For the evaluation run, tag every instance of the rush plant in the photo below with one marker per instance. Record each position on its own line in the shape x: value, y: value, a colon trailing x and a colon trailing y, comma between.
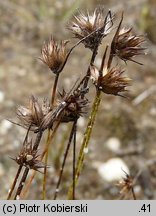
x: 45, y: 116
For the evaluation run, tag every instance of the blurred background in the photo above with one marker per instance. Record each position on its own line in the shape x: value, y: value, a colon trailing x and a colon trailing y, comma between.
x: 124, y: 134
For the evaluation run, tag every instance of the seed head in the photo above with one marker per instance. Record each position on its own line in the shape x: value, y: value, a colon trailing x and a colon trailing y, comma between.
x: 76, y: 108
x: 68, y: 107
x: 126, y: 185
x: 29, y: 157
x: 54, y: 54
x: 34, y: 113
x: 96, y: 24
x: 126, y: 45
x: 112, y: 81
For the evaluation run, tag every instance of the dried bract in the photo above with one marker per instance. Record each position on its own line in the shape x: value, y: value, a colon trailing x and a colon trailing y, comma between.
x: 125, y: 45
x: 97, y: 24
x: 29, y: 157
x: 54, y: 54
x: 33, y: 114
x: 112, y: 81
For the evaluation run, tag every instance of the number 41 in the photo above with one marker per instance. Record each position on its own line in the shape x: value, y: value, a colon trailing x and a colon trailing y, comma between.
x: 146, y: 208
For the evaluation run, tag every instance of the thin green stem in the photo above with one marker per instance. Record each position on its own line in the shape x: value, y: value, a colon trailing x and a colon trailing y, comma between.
x: 85, y: 142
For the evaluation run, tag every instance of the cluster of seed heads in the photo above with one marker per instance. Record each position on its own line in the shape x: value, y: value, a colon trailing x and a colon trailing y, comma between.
x: 90, y: 29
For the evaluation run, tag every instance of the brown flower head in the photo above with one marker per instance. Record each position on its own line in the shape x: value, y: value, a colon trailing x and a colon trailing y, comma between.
x: 29, y: 157
x: 125, y: 45
x: 33, y: 114
x: 68, y: 107
x: 54, y: 54
x: 126, y: 185
x: 112, y: 81
x: 76, y: 108
x: 96, y: 24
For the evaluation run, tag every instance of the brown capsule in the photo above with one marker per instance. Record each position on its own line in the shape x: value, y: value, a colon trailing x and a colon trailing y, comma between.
x: 54, y: 54
x: 126, y: 45
x: 34, y: 113
x: 96, y: 24
x: 112, y: 81
x: 28, y: 157
x: 76, y: 108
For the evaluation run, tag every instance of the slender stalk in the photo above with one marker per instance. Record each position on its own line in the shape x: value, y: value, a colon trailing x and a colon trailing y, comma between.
x: 133, y: 193
x: 74, y: 160
x: 14, y: 182
x: 21, y: 184
x: 45, y: 168
x: 27, y: 186
x: 48, y: 138
x: 64, y: 160
x: 127, y: 195
x: 25, y: 191
x: 54, y: 89
x: 57, y: 159
x: 20, y: 167
x: 110, y: 60
x: 26, y: 171
x: 85, y: 142
x: 91, y: 63
x: 38, y: 139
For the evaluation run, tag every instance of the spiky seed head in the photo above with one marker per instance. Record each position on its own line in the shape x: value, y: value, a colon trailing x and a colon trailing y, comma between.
x: 28, y: 157
x: 54, y: 54
x: 76, y: 108
x: 96, y: 24
x: 34, y: 113
x: 126, y: 184
x: 126, y: 45
x: 112, y: 82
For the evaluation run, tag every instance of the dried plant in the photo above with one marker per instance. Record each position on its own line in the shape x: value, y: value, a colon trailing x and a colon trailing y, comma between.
x: 112, y: 82
x: 34, y: 113
x: 54, y: 54
x: 126, y: 186
x: 68, y: 106
x: 126, y: 45
x: 29, y: 157
x: 96, y: 23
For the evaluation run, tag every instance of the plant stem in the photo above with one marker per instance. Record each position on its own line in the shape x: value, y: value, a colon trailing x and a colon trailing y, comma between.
x: 45, y: 169
x: 57, y: 158
x: 26, y: 171
x: 48, y: 137
x: 74, y: 159
x: 38, y: 139
x: 19, y: 168
x: 133, y: 193
x: 91, y: 63
x: 21, y: 184
x: 64, y: 160
x: 25, y: 190
x: 42, y: 156
x: 85, y: 142
x: 54, y: 89
x: 14, y: 182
